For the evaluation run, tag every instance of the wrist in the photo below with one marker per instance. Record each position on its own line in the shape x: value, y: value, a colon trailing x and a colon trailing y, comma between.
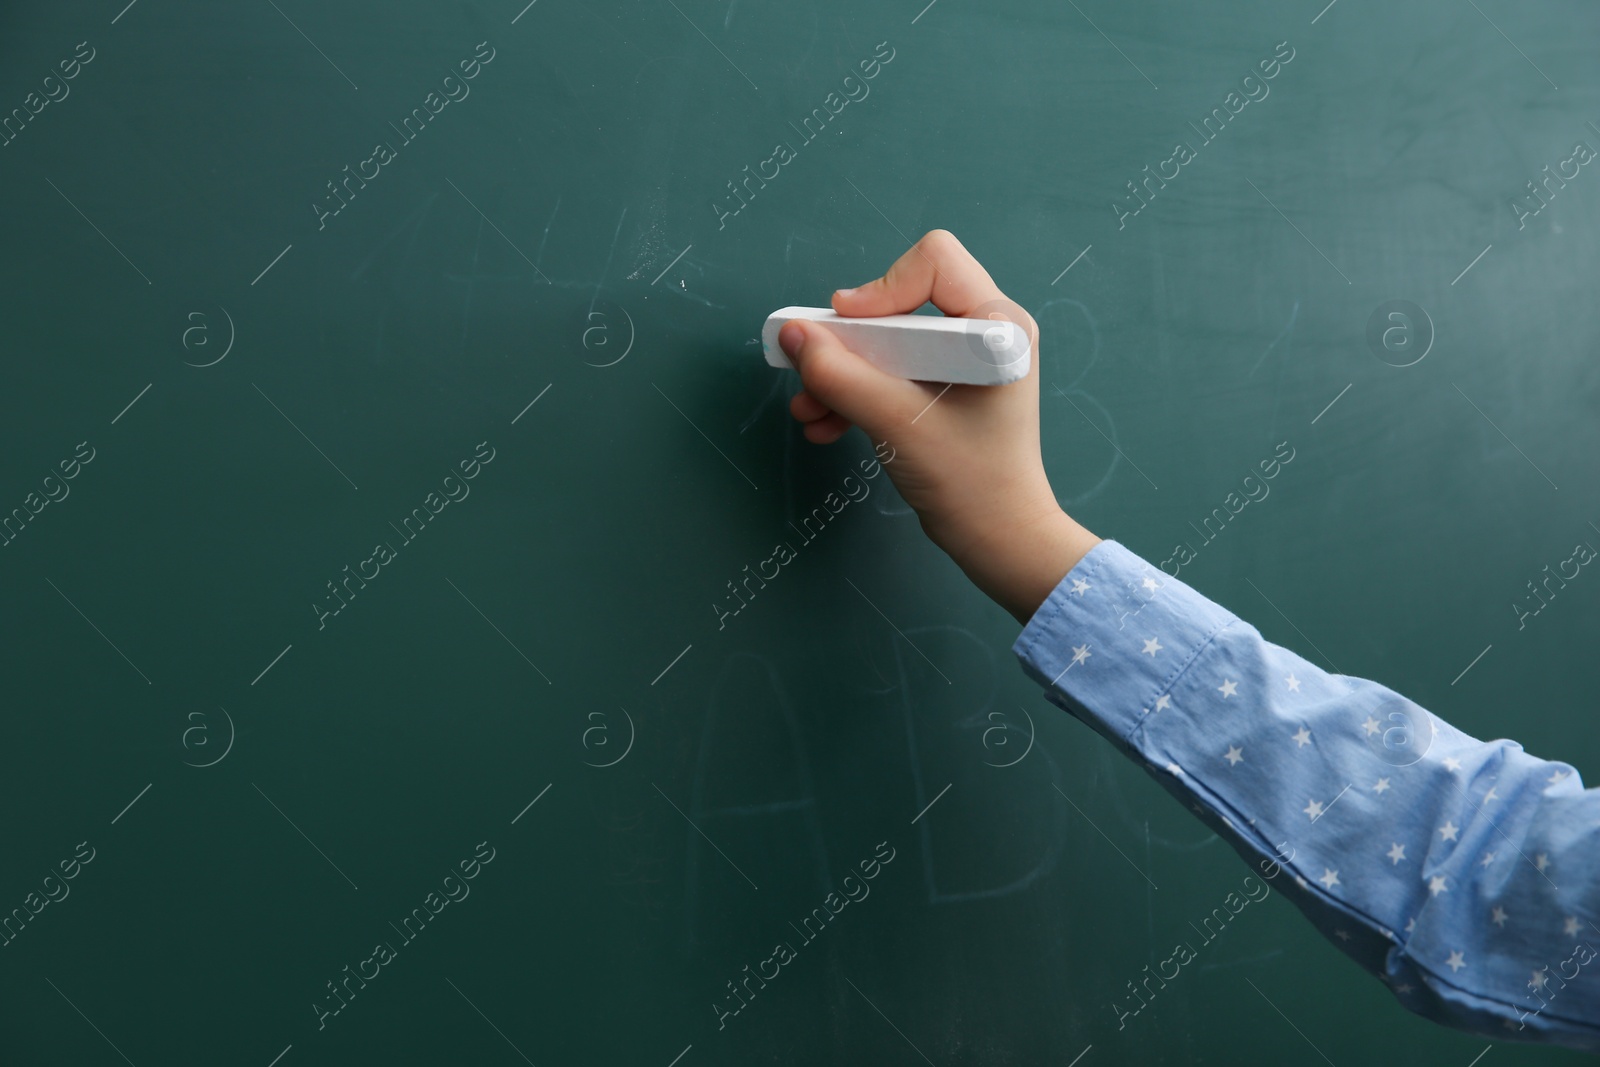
x: 1017, y: 561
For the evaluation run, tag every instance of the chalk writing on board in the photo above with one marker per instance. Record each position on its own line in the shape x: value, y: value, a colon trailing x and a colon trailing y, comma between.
x: 1063, y: 345
x: 856, y: 888
x: 748, y: 694
x: 1211, y: 927
x: 915, y: 701
x: 1068, y: 345
x: 640, y: 860
x: 785, y: 552
x: 1109, y: 782
x: 1112, y: 460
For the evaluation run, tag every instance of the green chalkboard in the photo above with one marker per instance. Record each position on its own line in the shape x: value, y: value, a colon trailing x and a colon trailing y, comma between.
x: 385, y: 443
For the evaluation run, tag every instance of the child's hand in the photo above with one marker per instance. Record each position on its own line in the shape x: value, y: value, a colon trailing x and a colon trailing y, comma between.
x: 966, y: 457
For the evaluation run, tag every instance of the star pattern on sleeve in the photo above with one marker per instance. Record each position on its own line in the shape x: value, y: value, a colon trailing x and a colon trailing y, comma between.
x: 1473, y: 926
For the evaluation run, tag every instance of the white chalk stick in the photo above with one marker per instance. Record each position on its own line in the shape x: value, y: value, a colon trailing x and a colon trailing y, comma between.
x: 928, y: 348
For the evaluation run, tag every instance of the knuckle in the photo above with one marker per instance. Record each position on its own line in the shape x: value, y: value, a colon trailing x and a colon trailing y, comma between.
x: 938, y: 243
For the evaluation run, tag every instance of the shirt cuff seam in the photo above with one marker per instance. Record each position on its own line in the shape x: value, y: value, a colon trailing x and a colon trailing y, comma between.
x: 1181, y: 670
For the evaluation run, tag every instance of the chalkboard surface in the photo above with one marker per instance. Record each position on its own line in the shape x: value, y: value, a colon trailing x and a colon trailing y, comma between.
x: 385, y: 447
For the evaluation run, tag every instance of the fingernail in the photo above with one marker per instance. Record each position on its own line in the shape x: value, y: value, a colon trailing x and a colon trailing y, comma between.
x: 790, y: 338
x: 844, y: 292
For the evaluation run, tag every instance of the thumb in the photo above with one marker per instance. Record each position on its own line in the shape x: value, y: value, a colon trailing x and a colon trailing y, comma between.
x: 845, y: 382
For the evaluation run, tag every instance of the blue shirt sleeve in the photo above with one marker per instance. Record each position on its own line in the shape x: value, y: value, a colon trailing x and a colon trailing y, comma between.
x: 1463, y: 873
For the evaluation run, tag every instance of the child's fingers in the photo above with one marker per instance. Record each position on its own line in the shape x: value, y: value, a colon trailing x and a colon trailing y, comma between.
x: 843, y: 382
x: 827, y: 430
x: 807, y: 408
x: 936, y: 268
